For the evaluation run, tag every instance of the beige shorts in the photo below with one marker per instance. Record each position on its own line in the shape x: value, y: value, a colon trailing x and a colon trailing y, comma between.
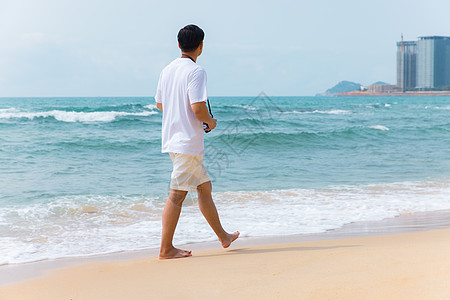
x: 188, y: 172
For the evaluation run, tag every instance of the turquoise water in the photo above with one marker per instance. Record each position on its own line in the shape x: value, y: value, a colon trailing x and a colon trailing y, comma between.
x: 82, y: 176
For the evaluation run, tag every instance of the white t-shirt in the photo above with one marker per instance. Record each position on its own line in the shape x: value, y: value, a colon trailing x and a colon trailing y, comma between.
x: 181, y: 84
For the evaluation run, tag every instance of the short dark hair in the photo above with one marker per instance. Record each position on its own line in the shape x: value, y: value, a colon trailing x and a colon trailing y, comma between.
x: 190, y: 37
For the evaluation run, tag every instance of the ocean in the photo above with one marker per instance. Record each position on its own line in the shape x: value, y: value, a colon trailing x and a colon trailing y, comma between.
x: 85, y: 176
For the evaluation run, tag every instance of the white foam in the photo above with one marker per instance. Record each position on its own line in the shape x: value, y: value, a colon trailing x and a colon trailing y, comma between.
x: 247, y: 107
x: 379, y: 127
x: 441, y: 107
x: 330, y: 112
x: 150, y: 106
x: 89, y: 224
x: 72, y: 116
x: 445, y: 107
x: 7, y: 110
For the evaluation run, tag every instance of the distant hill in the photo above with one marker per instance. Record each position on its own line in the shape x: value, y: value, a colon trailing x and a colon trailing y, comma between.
x: 379, y: 83
x: 341, y: 87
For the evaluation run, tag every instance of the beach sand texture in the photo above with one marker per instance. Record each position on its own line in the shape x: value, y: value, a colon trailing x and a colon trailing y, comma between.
x: 399, y: 266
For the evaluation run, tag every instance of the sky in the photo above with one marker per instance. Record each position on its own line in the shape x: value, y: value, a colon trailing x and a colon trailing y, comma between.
x: 64, y: 48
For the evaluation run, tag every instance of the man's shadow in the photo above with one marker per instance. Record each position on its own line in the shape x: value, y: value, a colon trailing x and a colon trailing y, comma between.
x: 247, y: 251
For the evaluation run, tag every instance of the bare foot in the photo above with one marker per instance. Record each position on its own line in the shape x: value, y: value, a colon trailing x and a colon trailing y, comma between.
x: 230, y: 238
x: 174, y: 253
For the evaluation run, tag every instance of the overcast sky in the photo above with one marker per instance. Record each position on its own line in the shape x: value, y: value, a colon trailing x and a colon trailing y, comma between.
x: 284, y: 48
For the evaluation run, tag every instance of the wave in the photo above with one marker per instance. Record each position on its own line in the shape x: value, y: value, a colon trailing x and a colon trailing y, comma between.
x: 438, y: 107
x: 330, y: 112
x: 379, y: 105
x: 80, y: 225
x: 72, y: 116
x: 106, y: 144
x: 257, y: 136
x: 247, y: 107
x: 379, y: 127
x: 131, y: 107
x: 254, y: 108
x: 266, y: 138
x: 7, y: 110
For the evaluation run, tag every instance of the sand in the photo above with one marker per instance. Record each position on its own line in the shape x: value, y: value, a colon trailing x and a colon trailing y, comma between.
x: 398, y: 266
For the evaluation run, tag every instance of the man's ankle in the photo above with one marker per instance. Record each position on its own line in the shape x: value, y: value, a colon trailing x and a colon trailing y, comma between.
x: 166, y: 248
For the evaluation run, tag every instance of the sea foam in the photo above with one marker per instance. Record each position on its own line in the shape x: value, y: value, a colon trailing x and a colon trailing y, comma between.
x: 92, y: 224
x: 72, y: 116
x: 151, y: 106
x: 330, y: 112
x: 380, y: 127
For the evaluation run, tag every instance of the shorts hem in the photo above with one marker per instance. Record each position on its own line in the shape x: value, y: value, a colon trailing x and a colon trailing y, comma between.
x: 188, y: 188
x: 181, y: 188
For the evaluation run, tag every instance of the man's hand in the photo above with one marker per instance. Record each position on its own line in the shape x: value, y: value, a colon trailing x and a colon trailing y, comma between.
x: 212, y: 124
x: 201, y: 112
x: 159, y: 106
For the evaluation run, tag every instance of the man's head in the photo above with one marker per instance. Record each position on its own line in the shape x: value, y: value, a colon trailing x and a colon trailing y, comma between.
x: 190, y: 38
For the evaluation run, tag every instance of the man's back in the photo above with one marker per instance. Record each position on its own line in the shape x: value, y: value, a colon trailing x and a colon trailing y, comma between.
x: 181, y: 96
x: 181, y: 84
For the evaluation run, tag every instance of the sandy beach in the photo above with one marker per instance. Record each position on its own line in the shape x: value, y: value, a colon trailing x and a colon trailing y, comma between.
x: 397, y: 266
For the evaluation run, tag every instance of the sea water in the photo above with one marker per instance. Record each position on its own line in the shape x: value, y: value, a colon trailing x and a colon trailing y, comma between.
x: 84, y: 176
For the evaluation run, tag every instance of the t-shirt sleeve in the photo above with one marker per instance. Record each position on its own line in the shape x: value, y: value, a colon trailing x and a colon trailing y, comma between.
x: 158, y: 90
x: 197, y: 86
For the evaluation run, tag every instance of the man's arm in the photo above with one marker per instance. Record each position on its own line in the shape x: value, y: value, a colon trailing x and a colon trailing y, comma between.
x: 159, y: 106
x: 201, y: 112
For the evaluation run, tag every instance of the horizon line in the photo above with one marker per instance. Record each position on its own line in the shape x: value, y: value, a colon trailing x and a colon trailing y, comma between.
x: 3, y: 97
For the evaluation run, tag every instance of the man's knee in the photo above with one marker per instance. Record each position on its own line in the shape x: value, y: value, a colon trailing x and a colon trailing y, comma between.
x: 177, y: 197
x: 205, y: 187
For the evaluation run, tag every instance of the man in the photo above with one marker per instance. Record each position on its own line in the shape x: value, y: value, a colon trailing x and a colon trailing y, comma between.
x: 181, y: 96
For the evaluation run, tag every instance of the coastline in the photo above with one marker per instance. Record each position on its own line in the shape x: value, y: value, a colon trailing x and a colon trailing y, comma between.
x: 395, y: 94
x: 398, y: 266
x: 18, y: 274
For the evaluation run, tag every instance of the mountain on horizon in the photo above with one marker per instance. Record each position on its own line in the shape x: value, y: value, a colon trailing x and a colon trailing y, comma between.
x: 380, y: 83
x: 341, y: 87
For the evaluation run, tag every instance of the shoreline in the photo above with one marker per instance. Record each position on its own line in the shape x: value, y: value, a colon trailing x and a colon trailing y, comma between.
x: 403, y: 224
x: 395, y: 94
x: 399, y: 266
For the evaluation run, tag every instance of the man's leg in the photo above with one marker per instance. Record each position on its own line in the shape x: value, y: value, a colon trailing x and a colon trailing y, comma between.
x: 170, y: 217
x: 209, y: 211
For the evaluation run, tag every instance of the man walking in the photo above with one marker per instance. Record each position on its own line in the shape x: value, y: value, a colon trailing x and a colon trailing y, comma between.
x: 181, y: 96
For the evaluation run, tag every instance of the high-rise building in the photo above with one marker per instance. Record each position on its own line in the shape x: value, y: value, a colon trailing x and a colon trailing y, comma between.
x: 433, y: 62
x: 406, y: 65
